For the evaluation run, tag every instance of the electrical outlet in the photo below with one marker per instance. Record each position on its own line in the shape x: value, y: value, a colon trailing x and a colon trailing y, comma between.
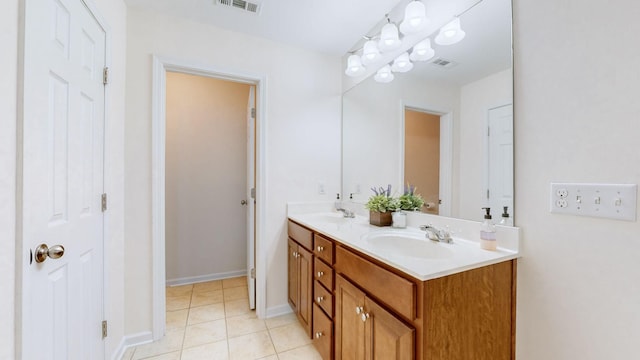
x: 321, y: 189
x: 611, y: 201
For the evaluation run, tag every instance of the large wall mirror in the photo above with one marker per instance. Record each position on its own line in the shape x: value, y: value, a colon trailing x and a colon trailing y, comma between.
x: 446, y: 126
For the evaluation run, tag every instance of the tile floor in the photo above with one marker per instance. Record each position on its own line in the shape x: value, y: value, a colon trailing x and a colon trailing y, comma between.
x: 212, y: 320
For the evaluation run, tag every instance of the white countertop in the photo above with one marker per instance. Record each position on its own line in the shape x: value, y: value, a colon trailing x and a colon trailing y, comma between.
x: 460, y: 256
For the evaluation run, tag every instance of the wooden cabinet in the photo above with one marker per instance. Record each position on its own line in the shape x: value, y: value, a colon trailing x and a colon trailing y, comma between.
x: 300, y: 283
x: 357, y: 307
x: 365, y: 330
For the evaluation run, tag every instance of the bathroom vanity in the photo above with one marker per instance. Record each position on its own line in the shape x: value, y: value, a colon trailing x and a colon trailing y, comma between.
x: 364, y: 292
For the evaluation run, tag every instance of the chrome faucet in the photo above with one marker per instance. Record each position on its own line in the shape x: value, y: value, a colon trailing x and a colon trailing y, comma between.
x: 436, y: 234
x: 347, y: 213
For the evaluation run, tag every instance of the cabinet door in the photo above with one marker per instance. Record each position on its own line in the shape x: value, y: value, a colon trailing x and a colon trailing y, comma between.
x: 349, y: 328
x: 292, y: 267
x: 386, y: 337
x: 305, y: 287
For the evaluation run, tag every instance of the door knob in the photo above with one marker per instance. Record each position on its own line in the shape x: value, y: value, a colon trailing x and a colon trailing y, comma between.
x: 43, y: 251
x: 243, y: 202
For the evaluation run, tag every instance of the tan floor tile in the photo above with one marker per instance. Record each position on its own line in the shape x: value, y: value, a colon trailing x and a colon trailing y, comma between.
x: 251, y: 346
x: 205, y: 333
x: 289, y: 337
x: 179, y: 290
x: 171, y: 342
x: 170, y: 356
x: 177, y: 319
x: 244, y: 324
x: 214, y: 351
x: 208, y: 286
x: 235, y: 282
x: 178, y: 302
x: 281, y: 320
x: 307, y: 352
x: 237, y: 307
x: 205, y: 313
x: 236, y: 293
x: 207, y: 298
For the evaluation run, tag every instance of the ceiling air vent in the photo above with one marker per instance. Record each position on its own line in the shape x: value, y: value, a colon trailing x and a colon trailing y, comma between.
x: 248, y: 6
x: 444, y: 63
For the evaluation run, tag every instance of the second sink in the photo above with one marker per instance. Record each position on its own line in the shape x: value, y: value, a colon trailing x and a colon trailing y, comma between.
x: 407, y: 244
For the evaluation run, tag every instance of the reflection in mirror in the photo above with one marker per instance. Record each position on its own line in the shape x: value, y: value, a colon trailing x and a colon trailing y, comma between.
x: 389, y: 137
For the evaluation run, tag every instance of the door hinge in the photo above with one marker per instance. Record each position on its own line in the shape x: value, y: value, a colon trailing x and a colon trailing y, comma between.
x: 105, y: 75
x: 253, y: 193
x: 104, y: 329
x: 488, y: 194
x: 253, y: 113
x: 253, y: 273
x: 104, y: 202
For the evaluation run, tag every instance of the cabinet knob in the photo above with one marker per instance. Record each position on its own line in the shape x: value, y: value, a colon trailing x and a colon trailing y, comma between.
x: 319, y: 334
x: 359, y: 309
x: 319, y: 299
x: 294, y: 254
x: 364, y: 316
x: 320, y: 248
x: 320, y: 273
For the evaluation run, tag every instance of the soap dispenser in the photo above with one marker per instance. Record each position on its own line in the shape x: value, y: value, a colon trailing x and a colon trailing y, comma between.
x: 488, y: 232
x: 506, y: 220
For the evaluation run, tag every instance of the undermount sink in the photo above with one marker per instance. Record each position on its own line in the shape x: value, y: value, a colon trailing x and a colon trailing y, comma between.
x: 414, y: 245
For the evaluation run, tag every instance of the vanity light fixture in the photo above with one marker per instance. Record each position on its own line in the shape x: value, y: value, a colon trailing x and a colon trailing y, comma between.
x: 389, y: 38
x: 370, y: 52
x: 402, y: 63
x: 384, y: 75
x: 422, y: 51
x: 450, y: 33
x: 354, y: 66
x: 415, y: 18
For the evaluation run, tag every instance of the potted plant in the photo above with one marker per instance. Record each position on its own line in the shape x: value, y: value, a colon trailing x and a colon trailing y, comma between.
x: 380, y: 206
x: 410, y: 200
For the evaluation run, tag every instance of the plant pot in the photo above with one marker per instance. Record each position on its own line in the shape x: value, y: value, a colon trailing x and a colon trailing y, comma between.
x: 380, y: 218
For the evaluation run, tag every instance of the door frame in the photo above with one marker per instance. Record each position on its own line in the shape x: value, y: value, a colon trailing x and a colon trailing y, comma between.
x: 161, y: 65
x: 446, y: 151
x: 22, y: 254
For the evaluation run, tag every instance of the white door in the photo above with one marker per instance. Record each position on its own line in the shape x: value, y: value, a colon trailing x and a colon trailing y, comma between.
x: 500, y: 167
x: 251, y: 197
x: 62, y: 182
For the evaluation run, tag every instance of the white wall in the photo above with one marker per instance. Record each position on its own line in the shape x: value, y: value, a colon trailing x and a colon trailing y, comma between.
x: 476, y: 99
x: 114, y: 12
x: 577, y: 119
x: 8, y: 83
x: 206, y: 177
x: 302, y: 130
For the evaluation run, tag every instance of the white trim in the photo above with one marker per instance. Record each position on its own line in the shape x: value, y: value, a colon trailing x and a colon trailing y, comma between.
x: 132, y: 340
x: 278, y: 310
x: 446, y: 151
x: 160, y: 66
x: 204, y: 278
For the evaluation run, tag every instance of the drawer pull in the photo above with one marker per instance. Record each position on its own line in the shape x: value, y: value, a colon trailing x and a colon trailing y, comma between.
x: 359, y: 309
x: 320, y: 299
x: 364, y: 316
x: 320, y: 273
x: 320, y: 248
x: 319, y: 334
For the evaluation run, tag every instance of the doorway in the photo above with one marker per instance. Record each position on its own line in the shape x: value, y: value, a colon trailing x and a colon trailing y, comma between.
x: 165, y: 69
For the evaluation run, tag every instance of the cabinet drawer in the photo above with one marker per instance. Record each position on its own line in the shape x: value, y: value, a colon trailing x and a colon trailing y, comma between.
x: 323, y: 273
x: 322, y: 333
x: 301, y: 234
x: 323, y: 248
x: 323, y: 298
x: 393, y: 290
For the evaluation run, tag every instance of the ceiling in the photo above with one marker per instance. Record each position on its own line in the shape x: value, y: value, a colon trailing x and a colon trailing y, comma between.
x: 337, y: 26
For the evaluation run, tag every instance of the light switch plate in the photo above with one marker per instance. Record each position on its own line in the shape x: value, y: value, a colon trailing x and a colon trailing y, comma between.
x: 611, y: 201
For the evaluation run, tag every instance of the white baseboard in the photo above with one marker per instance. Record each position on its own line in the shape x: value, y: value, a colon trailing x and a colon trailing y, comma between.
x: 278, y: 310
x: 128, y: 341
x: 205, y: 278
